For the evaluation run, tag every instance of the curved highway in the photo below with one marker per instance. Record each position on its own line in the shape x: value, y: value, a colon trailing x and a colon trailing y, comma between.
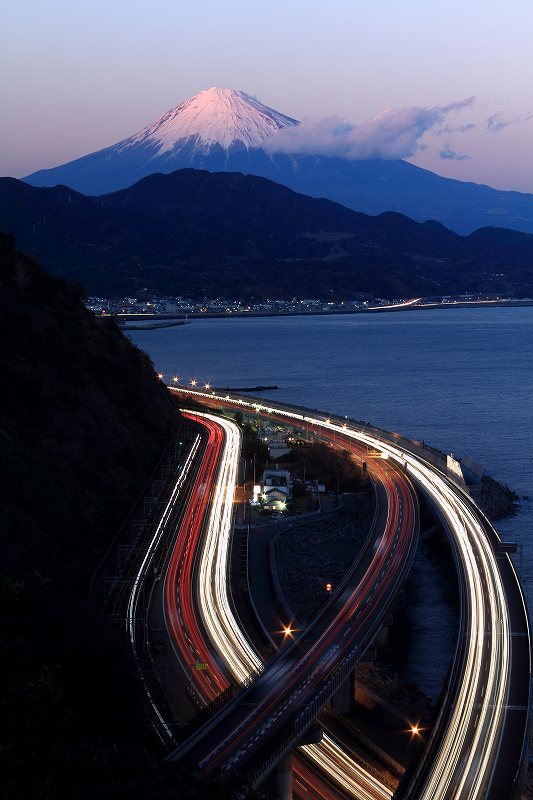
x: 139, y: 576
x: 470, y: 757
x: 209, y: 585
x: 300, y: 681
x: 179, y: 608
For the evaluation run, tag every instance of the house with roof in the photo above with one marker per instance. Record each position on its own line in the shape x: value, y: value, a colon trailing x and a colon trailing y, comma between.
x: 276, y: 489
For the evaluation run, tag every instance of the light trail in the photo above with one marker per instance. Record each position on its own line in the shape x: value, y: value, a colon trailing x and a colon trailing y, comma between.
x: 145, y: 565
x: 347, y: 773
x: 404, y: 304
x: 219, y: 621
x: 179, y: 610
x: 344, y: 629
x: 225, y: 632
x: 467, y: 751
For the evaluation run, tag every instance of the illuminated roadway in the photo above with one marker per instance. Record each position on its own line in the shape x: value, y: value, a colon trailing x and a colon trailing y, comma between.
x: 141, y: 572
x: 471, y: 753
x: 225, y: 633
x: 187, y: 640
x: 210, y: 551
x: 297, y: 684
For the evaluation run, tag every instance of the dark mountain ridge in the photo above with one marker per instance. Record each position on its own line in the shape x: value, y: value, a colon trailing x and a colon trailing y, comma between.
x: 369, y: 186
x: 197, y: 233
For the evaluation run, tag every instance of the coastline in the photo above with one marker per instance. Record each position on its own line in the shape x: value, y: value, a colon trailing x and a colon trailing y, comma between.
x: 183, y: 318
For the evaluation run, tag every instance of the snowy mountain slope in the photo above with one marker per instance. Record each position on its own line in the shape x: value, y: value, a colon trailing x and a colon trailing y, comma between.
x: 224, y: 130
x: 213, y: 117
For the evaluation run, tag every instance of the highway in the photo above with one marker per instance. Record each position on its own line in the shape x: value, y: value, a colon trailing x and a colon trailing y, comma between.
x: 140, y: 574
x: 300, y: 681
x: 216, y: 616
x: 187, y: 640
x: 241, y: 659
x: 471, y: 754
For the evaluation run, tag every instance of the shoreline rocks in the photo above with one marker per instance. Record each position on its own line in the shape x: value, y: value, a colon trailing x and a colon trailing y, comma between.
x: 496, y: 500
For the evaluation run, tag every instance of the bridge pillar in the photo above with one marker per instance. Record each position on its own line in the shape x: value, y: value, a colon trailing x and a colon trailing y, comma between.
x: 382, y: 636
x: 343, y: 699
x: 280, y: 780
x: 383, y: 633
x: 370, y: 653
x: 313, y: 736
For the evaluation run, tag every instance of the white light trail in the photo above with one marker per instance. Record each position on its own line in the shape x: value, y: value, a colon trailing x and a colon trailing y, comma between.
x: 145, y: 564
x: 346, y: 772
x: 221, y: 625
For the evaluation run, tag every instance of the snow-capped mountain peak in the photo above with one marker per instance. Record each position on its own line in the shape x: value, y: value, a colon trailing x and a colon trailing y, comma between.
x: 214, y: 116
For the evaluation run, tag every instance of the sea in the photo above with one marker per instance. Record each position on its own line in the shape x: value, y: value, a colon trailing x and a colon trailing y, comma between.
x: 460, y: 379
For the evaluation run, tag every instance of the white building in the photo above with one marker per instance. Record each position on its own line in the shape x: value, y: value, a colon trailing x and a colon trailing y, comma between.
x: 276, y: 489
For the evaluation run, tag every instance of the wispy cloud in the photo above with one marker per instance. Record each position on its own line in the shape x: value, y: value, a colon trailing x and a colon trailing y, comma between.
x: 394, y: 133
x: 452, y: 155
x: 447, y: 129
x: 497, y: 122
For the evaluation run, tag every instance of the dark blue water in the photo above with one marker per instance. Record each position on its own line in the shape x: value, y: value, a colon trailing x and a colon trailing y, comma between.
x: 461, y: 379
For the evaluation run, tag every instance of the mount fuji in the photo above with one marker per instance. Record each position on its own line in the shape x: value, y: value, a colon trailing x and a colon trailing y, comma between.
x: 224, y: 130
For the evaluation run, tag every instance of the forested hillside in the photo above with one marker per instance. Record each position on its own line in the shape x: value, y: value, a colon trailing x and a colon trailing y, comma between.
x: 83, y: 421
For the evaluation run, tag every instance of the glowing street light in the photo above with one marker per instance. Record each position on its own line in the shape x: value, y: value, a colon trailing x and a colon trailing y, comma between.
x: 194, y: 382
x: 329, y: 587
x: 175, y: 379
x: 160, y: 376
x: 207, y: 386
x: 288, y: 631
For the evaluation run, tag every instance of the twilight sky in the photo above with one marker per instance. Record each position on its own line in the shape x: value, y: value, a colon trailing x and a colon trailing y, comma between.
x: 77, y: 76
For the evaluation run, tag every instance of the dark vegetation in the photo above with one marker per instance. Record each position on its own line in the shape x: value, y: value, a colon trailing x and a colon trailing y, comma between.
x: 195, y: 233
x: 324, y: 550
x: 253, y: 448
x: 83, y: 421
x: 328, y: 465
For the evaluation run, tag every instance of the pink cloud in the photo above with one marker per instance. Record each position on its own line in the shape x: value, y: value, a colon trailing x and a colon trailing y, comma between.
x: 393, y: 133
